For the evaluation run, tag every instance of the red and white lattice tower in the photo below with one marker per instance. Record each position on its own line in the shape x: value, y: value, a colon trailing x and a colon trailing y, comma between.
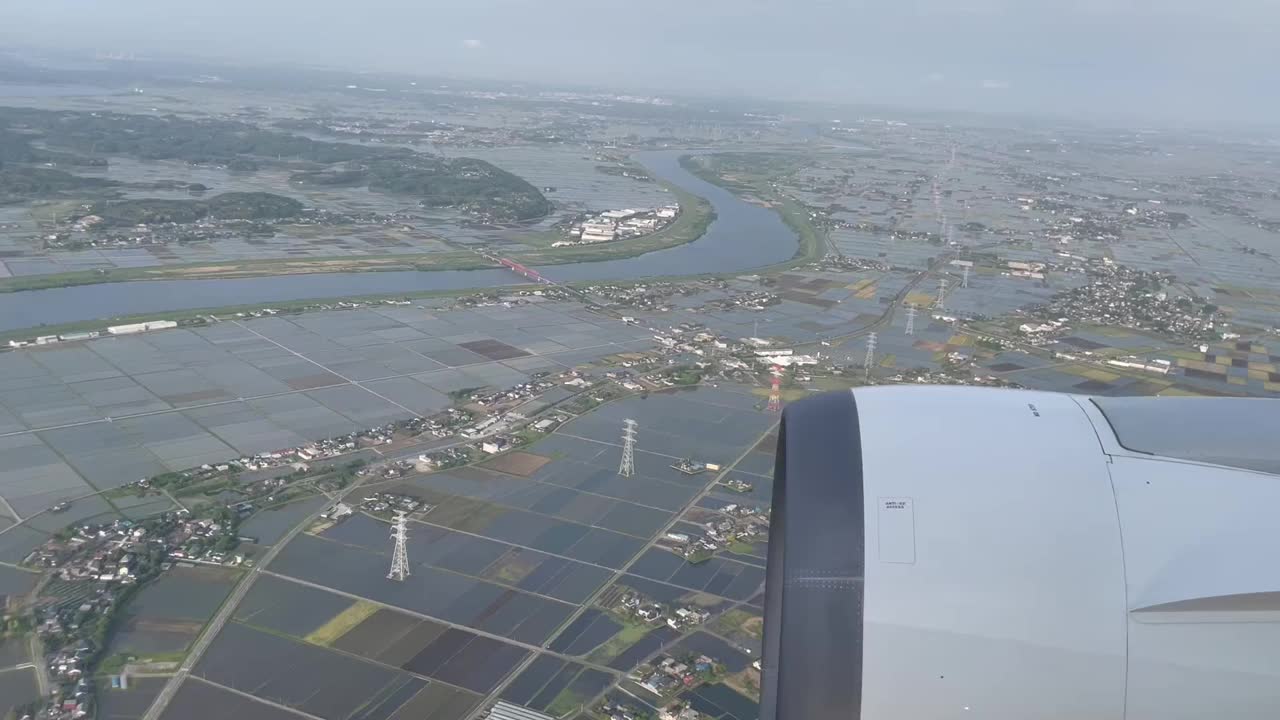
x: 775, y: 394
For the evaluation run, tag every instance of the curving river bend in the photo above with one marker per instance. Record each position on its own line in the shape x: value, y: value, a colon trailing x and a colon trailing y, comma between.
x: 742, y: 237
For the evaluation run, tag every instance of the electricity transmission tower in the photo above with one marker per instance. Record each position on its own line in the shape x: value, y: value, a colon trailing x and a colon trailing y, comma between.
x: 941, y: 302
x: 911, y: 319
x: 964, y: 281
x: 399, y: 558
x: 869, y: 360
x: 627, y: 467
x: 775, y: 391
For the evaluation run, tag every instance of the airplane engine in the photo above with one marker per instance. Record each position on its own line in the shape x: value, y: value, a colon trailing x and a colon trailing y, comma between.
x: 962, y: 553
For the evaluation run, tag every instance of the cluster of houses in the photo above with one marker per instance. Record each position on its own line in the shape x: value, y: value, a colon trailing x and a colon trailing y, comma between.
x: 677, y: 618
x: 515, y: 393
x: 66, y: 668
x: 106, y: 560
x: 617, y: 710
x: 735, y: 523
x: 669, y: 675
x: 1121, y: 296
x: 679, y: 711
x: 111, y: 552
x: 753, y: 300
x: 382, y: 503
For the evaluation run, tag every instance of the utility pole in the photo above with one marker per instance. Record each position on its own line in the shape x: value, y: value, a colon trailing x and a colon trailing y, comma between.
x: 627, y: 467
x: 400, y: 557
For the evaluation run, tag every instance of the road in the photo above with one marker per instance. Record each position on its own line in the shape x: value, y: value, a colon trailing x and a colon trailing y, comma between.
x: 37, y: 661
x: 497, y: 691
x: 227, y: 610
x: 8, y: 509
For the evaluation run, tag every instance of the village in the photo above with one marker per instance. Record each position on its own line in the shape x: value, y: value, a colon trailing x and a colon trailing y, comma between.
x: 734, y: 528
x: 97, y: 568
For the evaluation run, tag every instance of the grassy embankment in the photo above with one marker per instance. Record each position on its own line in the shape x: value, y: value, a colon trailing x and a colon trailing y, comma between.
x: 227, y: 312
x: 752, y: 177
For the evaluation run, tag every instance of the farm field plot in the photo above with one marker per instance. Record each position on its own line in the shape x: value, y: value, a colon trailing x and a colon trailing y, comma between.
x: 17, y: 687
x: 168, y: 614
x: 14, y: 581
x: 390, y: 637
x: 80, y: 417
x: 197, y: 700
x: 723, y: 703
x: 385, y: 636
x: 287, y: 607
x: 555, y: 686
x: 526, y: 569
x: 522, y: 464
x: 702, y: 643
x: 628, y: 659
x: 438, y: 593
x: 437, y: 702
x: 466, y: 660
x: 585, y: 634
x: 709, y: 425
x: 717, y: 576
x: 295, y: 674
x: 13, y: 651
x: 130, y: 703
x: 268, y: 526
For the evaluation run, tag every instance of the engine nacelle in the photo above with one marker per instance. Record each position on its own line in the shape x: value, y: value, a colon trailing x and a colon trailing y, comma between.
x: 949, y: 552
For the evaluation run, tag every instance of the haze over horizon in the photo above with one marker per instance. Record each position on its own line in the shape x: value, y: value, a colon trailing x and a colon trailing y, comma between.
x: 1177, y: 61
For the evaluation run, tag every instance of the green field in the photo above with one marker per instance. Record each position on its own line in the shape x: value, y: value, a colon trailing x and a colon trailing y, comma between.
x: 629, y: 635
x: 566, y: 702
x: 738, y: 620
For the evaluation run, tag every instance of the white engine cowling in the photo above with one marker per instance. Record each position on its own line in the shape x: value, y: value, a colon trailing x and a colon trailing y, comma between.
x: 949, y: 552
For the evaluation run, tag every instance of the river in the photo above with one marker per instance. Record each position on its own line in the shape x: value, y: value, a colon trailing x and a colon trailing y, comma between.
x: 742, y: 237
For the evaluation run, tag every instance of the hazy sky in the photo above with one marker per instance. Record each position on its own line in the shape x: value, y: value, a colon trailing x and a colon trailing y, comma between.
x: 1190, y: 60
